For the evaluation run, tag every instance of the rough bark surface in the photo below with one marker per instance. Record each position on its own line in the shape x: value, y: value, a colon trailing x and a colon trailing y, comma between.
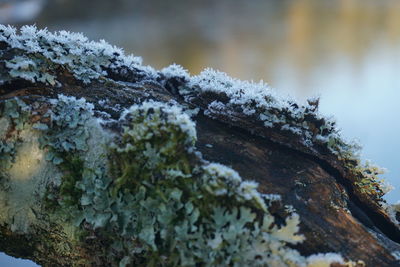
x: 334, y: 217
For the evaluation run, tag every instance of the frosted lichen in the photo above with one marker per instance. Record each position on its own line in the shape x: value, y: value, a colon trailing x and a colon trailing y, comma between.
x: 34, y: 71
x: 40, y: 52
x: 220, y: 180
x: 87, y: 60
x: 236, y: 99
x: 74, y: 142
x: 150, y: 187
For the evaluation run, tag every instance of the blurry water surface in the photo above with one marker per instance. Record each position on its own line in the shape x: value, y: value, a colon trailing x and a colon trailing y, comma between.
x: 348, y: 52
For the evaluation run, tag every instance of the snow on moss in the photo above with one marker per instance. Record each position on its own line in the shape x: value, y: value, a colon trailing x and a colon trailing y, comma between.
x: 86, y: 59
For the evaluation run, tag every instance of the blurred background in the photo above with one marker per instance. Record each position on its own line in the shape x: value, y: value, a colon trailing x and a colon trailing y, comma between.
x: 345, y: 51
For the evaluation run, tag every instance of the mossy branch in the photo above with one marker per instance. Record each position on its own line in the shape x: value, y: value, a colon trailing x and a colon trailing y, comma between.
x: 106, y: 162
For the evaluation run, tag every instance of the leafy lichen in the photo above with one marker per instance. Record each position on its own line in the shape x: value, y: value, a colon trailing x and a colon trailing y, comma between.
x: 68, y: 131
x: 163, y: 203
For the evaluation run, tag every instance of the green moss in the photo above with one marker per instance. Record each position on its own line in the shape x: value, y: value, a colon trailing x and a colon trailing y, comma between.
x: 72, y: 167
x: 150, y: 147
x: 67, y: 195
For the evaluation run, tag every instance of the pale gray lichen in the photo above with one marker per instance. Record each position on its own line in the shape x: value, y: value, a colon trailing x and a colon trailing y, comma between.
x: 68, y: 130
x: 178, y: 210
x: 75, y: 142
x: 325, y: 260
x: 220, y: 180
x: 31, y: 70
x: 205, y: 227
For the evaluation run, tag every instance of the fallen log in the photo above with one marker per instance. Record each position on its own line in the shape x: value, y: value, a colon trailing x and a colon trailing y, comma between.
x: 106, y: 162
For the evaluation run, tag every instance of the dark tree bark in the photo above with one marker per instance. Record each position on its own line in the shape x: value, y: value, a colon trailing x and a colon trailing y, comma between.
x: 330, y: 191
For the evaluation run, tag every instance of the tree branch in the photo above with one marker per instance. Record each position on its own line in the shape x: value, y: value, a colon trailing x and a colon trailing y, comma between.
x: 104, y: 161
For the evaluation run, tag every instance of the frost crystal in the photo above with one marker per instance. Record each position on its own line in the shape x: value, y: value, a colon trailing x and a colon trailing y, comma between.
x: 393, y: 210
x: 175, y: 70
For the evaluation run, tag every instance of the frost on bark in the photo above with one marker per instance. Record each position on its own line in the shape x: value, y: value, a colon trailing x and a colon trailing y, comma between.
x: 106, y: 162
